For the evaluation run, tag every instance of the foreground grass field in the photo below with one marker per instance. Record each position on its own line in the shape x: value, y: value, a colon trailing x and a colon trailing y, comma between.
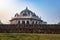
x: 14, y: 36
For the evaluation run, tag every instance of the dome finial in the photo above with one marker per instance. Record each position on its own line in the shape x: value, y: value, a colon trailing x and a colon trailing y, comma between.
x: 26, y: 7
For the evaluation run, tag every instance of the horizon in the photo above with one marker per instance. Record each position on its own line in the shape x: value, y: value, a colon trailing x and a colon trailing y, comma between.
x: 47, y: 9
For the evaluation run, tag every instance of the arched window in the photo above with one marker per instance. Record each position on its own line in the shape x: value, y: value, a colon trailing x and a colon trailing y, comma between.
x: 23, y: 22
x: 27, y: 22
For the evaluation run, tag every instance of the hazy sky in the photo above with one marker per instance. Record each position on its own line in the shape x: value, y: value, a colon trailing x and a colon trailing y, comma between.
x: 49, y: 10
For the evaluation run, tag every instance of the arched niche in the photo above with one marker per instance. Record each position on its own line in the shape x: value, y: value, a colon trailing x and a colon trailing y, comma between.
x: 18, y: 22
x: 27, y: 22
x: 23, y: 22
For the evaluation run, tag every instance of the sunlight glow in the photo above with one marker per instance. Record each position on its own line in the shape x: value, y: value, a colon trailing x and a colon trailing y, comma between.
x: 1, y: 3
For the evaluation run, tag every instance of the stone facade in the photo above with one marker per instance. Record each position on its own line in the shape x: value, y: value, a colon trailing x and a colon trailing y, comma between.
x: 30, y: 28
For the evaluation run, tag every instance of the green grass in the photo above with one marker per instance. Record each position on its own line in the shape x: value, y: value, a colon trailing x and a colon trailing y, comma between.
x: 16, y: 36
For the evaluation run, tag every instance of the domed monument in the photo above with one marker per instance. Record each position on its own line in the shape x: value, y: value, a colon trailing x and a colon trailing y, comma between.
x: 26, y: 17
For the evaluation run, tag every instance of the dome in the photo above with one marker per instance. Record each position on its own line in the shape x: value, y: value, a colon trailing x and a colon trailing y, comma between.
x: 27, y: 12
x: 16, y: 15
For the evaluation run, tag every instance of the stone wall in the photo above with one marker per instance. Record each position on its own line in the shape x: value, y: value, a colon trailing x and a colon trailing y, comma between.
x: 27, y: 28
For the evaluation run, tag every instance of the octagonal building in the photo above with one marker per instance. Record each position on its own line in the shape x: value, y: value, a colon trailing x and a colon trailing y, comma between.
x: 26, y: 16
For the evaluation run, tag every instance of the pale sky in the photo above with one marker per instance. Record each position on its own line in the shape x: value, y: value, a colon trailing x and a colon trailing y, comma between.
x: 49, y: 10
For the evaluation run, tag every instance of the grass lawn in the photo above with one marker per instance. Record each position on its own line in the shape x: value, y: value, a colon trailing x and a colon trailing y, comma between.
x: 17, y: 36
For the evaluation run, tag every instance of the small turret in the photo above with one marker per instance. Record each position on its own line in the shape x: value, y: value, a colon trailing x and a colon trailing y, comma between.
x: 16, y: 15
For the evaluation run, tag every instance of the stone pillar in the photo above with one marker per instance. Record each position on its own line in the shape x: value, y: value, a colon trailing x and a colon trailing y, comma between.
x: 34, y: 22
x: 25, y: 21
x: 20, y: 21
x: 30, y: 22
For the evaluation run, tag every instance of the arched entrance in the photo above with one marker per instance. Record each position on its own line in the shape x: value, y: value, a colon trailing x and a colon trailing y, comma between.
x: 33, y: 22
x: 36, y: 22
x: 27, y: 22
x: 23, y: 22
